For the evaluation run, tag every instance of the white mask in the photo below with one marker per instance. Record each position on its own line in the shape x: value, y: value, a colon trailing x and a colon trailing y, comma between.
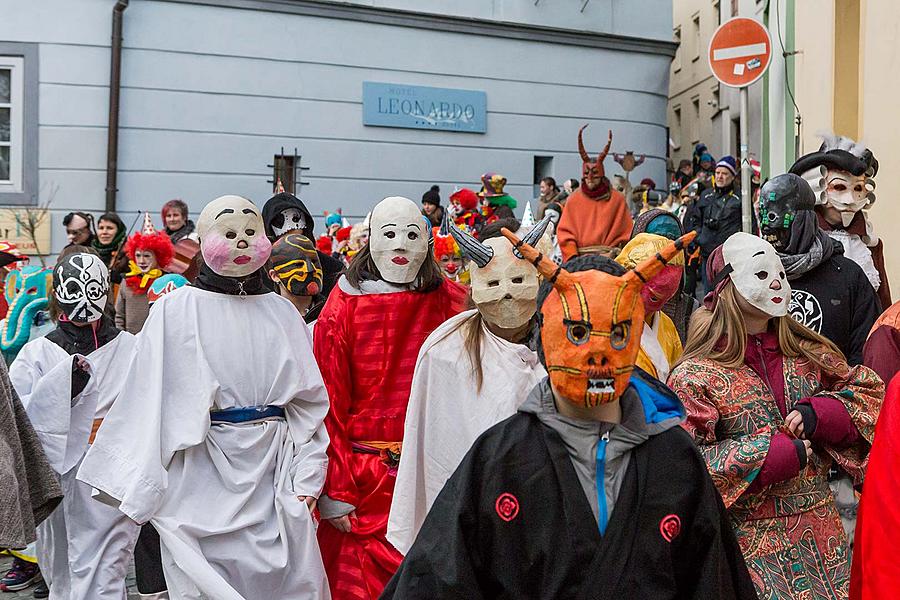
x: 293, y: 221
x: 398, y: 239
x: 232, y: 238
x: 756, y: 269
x: 847, y: 193
x: 81, y: 286
x: 505, y: 289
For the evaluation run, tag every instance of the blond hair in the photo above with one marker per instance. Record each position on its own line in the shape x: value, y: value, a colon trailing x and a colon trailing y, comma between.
x: 721, y: 336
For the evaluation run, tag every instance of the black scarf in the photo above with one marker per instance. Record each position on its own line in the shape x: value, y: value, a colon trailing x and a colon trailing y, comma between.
x: 81, y: 340
x: 250, y: 285
x: 179, y: 234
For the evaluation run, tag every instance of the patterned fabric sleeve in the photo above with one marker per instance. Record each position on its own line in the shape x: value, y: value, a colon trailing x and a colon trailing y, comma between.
x: 733, y: 462
x: 862, y: 392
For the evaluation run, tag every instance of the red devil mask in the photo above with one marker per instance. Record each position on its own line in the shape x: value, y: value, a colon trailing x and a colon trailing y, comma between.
x: 591, y: 324
x: 593, y: 176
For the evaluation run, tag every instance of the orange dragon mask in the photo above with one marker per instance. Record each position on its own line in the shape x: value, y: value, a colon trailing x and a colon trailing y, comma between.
x: 591, y: 323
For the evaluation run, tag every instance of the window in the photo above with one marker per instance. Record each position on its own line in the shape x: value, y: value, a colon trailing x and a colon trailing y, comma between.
x: 714, y: 99
x: 676, y: 37
x: 675, y: 127
x: 695, y: 25
x: 695, y: 120
x: 543, y: 167
x: 11, y: 121
x: 286, y: 169
x: 18, y: 123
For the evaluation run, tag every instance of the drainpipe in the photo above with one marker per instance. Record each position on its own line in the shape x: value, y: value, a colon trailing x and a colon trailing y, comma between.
x: 115, y: 78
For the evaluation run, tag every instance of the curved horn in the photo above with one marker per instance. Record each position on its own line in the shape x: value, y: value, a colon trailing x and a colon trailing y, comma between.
x: 645, y: 270
x: 445, y: 225
x: 534, y: 235
x: 471, y: 248
x: 585, y: 157
x: 605, y: 150
x: 552, y: 272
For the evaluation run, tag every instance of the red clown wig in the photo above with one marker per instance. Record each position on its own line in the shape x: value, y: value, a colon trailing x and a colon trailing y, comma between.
x: 157, y: 242
x: 444, y: 245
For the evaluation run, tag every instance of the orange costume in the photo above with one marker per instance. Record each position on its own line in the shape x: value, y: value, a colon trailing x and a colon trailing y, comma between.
x: 587, y: 225
x: 596, y: 217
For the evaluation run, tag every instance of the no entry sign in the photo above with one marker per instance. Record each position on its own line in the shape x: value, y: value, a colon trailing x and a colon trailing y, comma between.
x: 739, y: 52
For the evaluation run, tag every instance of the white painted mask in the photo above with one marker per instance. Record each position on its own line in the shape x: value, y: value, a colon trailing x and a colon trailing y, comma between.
x: 757, y: 273
x: 398, y: 239
x: 846, y: 193
x: 232, y: 238
x: 293, y: 221
x: 505, y: 289
x: 81, y: 286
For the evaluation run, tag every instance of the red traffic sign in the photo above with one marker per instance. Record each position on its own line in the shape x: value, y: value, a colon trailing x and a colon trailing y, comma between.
x: 740, y: 52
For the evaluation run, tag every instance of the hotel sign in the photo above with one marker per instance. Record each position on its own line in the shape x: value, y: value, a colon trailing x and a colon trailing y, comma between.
x: 418, y: 107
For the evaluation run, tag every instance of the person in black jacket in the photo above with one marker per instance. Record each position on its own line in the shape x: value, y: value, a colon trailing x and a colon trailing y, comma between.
x: 830, y: 293
x: 718, y: 213
x: 591, y: 490
x: 285, y: 212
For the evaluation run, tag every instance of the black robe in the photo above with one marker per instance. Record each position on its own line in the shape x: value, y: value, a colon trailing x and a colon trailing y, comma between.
x: 513, y: 522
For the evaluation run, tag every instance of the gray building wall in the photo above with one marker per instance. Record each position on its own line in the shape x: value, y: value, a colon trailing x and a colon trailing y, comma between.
x: 211, y: 92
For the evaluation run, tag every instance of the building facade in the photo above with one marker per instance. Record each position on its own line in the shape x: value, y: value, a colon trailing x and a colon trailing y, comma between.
x: 216, y: 95
x: 700, y: 108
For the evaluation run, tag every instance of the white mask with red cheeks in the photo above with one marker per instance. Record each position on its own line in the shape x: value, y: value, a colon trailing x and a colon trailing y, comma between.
x: 232, y: 237
x: 757, y: 273
x: 398, y: 239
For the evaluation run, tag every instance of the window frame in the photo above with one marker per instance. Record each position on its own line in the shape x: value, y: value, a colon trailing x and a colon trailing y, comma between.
x: 696, y: 25
x: 679, y: 51
x: 16, y: 67
x: 22, y: 187
x: 678, y: 126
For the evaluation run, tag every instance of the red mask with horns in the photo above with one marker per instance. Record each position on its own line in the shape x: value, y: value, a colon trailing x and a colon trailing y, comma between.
x: 593, y: 177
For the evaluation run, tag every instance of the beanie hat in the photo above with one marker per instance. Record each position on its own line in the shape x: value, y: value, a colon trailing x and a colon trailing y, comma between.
x: 648, y: 183
x: 707, y: 157
x: 729, y: 163
x: 432, y: 196
x: 332, y: 219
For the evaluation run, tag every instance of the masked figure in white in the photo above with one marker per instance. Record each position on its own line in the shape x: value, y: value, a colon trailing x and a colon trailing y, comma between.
x: 68, y: 381
x: 471, y: 373
x: 217, y: 437
x: 391, y: 299
x: 842, y: 175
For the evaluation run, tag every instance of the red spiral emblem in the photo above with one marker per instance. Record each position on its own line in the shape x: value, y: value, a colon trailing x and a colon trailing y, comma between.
x: 507, y: 506
x: 670, y: 527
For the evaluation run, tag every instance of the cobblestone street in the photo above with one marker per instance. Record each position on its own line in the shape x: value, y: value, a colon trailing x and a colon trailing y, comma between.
x: 6, y: 561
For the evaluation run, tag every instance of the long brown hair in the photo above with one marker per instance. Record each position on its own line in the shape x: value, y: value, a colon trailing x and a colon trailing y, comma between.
x: 363, y: 268
x: 721, y: 336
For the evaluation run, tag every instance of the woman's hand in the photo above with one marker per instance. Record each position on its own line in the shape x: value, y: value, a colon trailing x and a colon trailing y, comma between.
x: 794, y: 423
x: 310, y: 502
x: 343, y: 524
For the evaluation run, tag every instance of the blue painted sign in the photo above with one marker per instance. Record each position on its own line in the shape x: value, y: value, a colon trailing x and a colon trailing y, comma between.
x: 418, y: 107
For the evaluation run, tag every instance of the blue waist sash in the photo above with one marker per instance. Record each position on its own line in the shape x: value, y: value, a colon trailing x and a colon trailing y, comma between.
x: 246, y: 414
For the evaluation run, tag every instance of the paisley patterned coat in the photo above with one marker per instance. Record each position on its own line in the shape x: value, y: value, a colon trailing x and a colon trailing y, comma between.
x: 790, y: 532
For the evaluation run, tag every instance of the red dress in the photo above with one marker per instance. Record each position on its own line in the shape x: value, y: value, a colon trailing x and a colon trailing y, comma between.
x: 876, y: 572
x: 366, y: 346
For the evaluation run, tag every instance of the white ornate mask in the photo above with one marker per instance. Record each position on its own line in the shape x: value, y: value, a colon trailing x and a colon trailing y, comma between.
x: 505, y: 289
x: 398, y: 239
x: 757, y: 273
x: 232, y: 238
x: 81, y: 286
x: 846, y: 193
x: 293, y: 221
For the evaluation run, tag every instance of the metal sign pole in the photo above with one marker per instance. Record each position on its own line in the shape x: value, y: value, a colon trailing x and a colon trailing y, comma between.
x: 746, y: 206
